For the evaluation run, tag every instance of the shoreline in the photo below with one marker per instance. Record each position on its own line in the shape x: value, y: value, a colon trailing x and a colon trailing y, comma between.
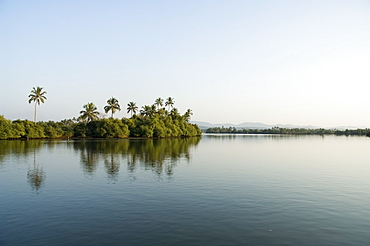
x: 92, y: 138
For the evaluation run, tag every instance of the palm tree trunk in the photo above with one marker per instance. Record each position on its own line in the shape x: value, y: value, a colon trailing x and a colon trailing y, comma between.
x: 34, y: 116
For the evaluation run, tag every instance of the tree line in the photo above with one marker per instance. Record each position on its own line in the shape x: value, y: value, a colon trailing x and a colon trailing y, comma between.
x: 293, y: 131
x: 159, y: 120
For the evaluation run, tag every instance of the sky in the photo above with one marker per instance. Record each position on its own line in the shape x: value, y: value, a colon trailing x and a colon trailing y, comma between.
x: 229, y: 61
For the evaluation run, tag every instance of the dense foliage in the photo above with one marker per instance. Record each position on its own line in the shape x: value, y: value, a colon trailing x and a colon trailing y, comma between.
x: 294, y: 131
x: 153, y: 121
x: 171, y: 125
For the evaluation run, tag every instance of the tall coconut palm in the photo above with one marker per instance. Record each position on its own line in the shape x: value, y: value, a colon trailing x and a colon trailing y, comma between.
x: 37, y: 96
x: 113, y: 106
x: 170, y: 102
x: 131, y: 107
x: 90, y: 113
x: 158, y: 102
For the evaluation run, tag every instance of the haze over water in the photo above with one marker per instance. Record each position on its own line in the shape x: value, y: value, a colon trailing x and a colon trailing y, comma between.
x: 217, y: 190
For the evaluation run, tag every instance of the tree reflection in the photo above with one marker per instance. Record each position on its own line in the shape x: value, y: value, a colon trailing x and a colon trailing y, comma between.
x: 35, y: 176
x: 19, y: 148
x: 88, y: 155
x: 112, y: 167
x: 157, y: 155
x: 25, y: 149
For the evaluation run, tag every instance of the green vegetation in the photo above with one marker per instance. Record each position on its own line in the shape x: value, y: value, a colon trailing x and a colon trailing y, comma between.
x: 37, y: 96
x: 153, y: 121
x: 112, y: 106
x: 293, y: 131
x: 131, y: 108
x: 90, y: 113
x: 170, y: 102
x: 158, y: 102
x: 153, y: 126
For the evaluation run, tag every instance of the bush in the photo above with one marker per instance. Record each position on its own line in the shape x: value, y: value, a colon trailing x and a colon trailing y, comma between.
x: 107, y: 128
x: 6, y: 130
x: 80, y: 130
x: 28, y: 129
x: 159, y: 126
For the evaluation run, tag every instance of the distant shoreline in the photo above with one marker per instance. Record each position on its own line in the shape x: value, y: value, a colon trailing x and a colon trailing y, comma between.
x: 290, y: 131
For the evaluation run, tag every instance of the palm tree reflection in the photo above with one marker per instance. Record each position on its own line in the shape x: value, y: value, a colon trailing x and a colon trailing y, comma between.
x: 36, y: 176
x: 157, y: 155
x: 112, y: 167
x: 89, y: 157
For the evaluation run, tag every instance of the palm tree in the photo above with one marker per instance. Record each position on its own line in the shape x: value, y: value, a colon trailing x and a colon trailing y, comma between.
x: 188, y: 115
x: 174, y: 112
x: 153, y: 110
x: 113, y: 106
x: 131, y: 107
x: 37, y: 96
x: 147, y: 111
x: 170, y: 102
x: 90, y: 113
x: 161, y: 112
x: 158, y: 102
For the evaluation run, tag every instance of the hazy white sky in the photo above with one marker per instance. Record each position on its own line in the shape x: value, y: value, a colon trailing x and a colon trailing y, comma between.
x: 278, y: 61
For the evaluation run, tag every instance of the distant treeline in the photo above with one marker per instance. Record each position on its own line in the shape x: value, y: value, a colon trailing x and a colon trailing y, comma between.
x: 293, y: 131
x: 157, y: 125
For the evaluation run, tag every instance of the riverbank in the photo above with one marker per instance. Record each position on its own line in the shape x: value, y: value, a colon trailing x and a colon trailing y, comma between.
x: 167, y: 126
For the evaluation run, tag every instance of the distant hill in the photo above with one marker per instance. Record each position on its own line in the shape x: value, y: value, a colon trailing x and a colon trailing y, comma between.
x: 205, y: 125
x: 249, y: 125
x: 258, y: 125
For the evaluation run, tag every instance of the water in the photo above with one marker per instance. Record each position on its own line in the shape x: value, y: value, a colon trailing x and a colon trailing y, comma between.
x: 218, y: 190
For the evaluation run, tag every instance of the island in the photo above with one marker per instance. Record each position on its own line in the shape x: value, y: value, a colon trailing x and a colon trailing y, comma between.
x: 160, y: 120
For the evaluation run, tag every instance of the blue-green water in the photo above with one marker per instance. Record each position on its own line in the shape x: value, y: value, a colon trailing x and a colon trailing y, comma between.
x: 218, y: 190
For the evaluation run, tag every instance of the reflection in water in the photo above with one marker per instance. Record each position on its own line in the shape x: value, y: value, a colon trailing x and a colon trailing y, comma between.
x: 19, y: 149
x: 89, y: 160
x: 36, y: 176
x: 262, y: 190
x: 160, y: 155
x: 112, y: 167
x: 157, y: 155
x: 92, y: 151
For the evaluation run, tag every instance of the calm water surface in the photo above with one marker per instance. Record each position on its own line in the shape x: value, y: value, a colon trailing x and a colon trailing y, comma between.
x: 218, y: 190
